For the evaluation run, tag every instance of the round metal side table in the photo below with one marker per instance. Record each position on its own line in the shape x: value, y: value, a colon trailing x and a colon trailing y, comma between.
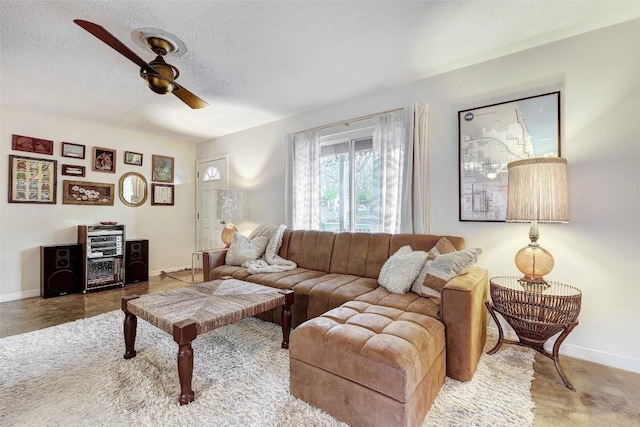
x: 536, y: 312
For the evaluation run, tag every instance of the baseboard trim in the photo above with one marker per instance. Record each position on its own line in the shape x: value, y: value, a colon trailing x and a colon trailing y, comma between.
x: 169, y: 270
x: 20, y: 295
x: 582, y: 353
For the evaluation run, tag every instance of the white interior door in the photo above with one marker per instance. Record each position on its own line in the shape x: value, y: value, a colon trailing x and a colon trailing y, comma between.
x: 212, y: 175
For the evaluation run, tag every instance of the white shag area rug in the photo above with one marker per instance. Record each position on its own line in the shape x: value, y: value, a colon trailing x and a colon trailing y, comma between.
x: 75, y: 375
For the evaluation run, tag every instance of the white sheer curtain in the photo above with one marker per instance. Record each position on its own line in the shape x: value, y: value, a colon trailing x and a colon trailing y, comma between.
x: 288, y: 181
x: 416, y: 214
x: 389, y: 147
x: 306, y: 180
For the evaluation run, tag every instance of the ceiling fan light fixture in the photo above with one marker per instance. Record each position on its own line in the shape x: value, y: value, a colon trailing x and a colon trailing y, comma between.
x: 159, y: 84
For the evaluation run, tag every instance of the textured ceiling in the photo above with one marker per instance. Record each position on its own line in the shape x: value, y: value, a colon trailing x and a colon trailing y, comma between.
x: 255, y: 62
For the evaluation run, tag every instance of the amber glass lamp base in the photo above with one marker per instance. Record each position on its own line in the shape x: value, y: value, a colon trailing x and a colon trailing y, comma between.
x: 228, y: 232
x: 534, y: 262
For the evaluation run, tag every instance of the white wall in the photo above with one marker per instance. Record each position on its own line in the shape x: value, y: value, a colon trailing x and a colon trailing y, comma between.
x: 598, y: 74
x: 24, y: 227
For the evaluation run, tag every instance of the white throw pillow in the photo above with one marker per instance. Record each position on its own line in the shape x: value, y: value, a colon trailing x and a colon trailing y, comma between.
x: 401, y: 269
x: 242, y: 249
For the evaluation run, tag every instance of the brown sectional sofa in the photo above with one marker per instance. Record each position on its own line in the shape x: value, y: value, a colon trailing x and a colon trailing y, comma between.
x: 334, y: 268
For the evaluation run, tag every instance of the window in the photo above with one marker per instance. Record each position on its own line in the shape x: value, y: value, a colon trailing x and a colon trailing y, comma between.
x: 350, y: 177
x: 211, y: 174
x: 347, y: 179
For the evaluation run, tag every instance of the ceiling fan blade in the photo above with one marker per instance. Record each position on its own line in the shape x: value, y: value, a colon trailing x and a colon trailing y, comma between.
x: 116, y: 44
x: 183, y: 94
x: 188, y: 98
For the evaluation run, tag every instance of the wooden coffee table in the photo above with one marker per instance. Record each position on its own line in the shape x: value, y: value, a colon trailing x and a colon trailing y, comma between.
x: 187, y: 312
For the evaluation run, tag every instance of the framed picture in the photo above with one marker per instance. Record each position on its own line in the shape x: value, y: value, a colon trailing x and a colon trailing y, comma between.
x: 76, y: 151
x: 492, y: 136
x: 161, y: 168
x: 87, y: 193
x: 32, y: 180
x: 162, y: 194
x: 31, y: 145
x: 73, y: 170
x: 131, y: 158
x: 104, y: 160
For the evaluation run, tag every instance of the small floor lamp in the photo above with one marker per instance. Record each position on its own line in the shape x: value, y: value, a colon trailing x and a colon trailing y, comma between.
x: 229, y: 207
x: 537, y: 192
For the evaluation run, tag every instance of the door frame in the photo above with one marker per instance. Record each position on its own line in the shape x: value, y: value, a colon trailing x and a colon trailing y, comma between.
x: 224, y: 157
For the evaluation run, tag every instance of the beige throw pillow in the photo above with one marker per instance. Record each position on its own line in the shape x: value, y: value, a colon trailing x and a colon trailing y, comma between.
x: 443, y: 246
x: 242, y: 249
x: 447, y: 266
x: 400, y: 270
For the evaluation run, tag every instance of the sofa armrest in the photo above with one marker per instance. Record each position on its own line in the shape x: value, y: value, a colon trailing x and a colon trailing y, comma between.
x: 464, y: 315
x: 212, y: 259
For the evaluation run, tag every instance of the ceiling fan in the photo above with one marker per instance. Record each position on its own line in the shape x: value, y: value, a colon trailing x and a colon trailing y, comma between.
x: 160, y: 76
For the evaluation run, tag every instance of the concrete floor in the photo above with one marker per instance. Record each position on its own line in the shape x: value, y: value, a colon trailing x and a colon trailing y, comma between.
x: 605, y: 396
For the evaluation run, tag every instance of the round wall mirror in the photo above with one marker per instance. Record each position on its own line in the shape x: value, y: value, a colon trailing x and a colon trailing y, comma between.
x: 133, y: 189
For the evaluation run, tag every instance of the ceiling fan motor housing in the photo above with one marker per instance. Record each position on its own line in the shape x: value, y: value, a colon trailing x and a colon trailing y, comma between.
x: 162, y: 82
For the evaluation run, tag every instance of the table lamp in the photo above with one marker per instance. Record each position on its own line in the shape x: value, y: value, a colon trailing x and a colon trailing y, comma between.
x: 537, y: 192
x: 229, y: 206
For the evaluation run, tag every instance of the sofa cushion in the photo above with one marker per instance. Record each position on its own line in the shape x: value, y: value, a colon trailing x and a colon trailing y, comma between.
x: 309, y: 249
x: 447, y: 266
x: 242, y: 249
x: 409, y: 302
x: 333, y: 290
x: 284, y: 279
x: 401, y: 269
x: 360, y: 254
x: 234, y: 271
x: 287, y: 280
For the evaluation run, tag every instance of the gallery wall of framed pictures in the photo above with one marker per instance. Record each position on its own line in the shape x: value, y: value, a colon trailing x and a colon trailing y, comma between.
x: 35, y: 179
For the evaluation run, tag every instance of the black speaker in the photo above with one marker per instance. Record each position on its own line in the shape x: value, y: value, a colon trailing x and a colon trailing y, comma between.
x: 136, y: 259
x: 60, y: 270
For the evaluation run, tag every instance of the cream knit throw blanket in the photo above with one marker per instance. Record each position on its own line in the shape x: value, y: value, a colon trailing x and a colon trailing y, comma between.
x: 270, y: 262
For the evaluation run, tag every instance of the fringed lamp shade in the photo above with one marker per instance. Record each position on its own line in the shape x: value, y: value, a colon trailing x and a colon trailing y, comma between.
x: 537, y: 192
x: 229, y: 206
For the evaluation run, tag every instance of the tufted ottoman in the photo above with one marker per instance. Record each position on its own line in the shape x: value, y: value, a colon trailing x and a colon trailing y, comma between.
x: 369, y: 365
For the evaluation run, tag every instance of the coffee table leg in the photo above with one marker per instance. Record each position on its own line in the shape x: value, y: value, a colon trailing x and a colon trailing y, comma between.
x: 286, y: 317
x: 183, y: 333
x: 130, y: 325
